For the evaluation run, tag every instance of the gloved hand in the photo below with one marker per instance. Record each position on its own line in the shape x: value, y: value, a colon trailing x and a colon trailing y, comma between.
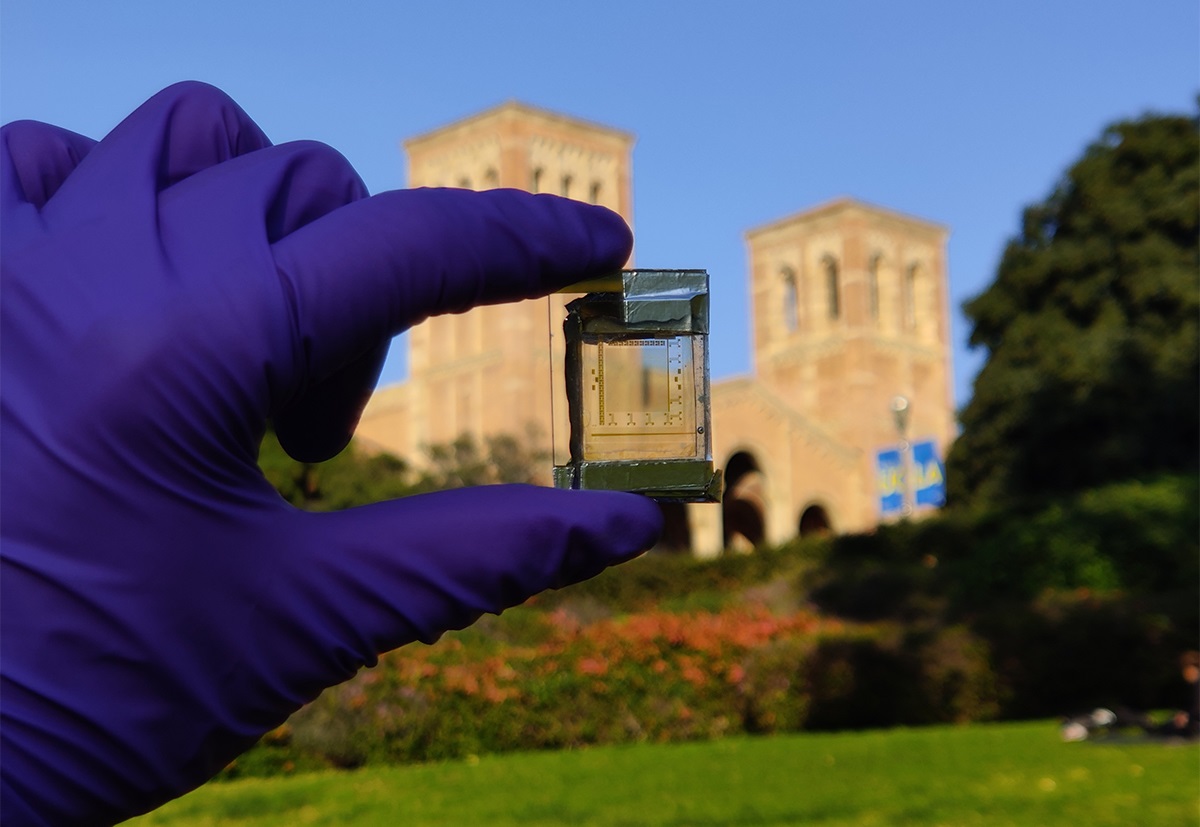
x: 165, y: 292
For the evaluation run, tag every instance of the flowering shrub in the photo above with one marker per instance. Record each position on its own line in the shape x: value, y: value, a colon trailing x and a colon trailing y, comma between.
x: 962, y: 617
x: 652, y: 676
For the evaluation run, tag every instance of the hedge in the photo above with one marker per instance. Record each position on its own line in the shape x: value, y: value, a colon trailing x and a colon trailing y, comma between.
x: 965, y: 616
x: 653, y: 676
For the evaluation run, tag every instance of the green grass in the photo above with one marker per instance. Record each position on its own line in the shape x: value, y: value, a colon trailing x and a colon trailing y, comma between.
x: 1002, y: 774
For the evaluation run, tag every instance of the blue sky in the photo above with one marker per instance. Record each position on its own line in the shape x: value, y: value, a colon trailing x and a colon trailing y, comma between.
x: 958, y: 112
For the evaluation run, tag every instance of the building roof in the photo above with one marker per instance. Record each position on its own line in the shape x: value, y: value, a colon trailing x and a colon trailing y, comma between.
x: 517, y: 108
x: 841, y: 205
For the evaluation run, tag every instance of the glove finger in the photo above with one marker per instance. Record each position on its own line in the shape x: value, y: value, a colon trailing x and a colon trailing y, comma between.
x: 366, y: 272
x: 384, y: 575
x: 180, y: 131
x: 37, y: 159
x: 320, y: 423
x: 240, y: 207
x: 247, y: 203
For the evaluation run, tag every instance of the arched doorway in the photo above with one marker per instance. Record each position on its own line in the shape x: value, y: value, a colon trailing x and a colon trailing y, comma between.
x: 814, y: 522
x: 743, y: 508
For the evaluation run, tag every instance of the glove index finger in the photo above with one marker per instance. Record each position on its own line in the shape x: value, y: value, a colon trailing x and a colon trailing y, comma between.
x: 374, y: 268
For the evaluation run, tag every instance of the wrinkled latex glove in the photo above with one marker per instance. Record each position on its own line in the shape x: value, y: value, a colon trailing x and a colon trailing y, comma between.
x: 166, y: 291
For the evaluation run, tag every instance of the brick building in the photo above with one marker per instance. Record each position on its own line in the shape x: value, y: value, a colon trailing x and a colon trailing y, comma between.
x: 849, y: 312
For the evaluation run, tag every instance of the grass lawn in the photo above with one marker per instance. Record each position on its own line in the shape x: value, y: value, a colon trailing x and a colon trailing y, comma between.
x: 1000, y: 774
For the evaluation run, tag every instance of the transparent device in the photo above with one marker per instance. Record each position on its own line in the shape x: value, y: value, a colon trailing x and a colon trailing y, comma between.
x: 634, y: 368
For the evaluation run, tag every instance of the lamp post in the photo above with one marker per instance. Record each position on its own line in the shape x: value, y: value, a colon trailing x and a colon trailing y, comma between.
x: 900, y: 410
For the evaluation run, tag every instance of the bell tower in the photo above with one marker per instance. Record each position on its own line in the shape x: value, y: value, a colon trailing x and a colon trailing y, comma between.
x: 849, y: 311
x: 487, y: 371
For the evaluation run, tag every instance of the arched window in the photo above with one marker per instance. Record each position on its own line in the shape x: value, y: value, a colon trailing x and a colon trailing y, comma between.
x: 908, y: 297
x: 873, y: 287
x: 814, y: 522
x: 566, y: 186
x: 832, y: 286
x: 491, y: 179
x: 535, y: 180
x: 791, y: 300
x: 464, y: 182
x: 743, y: 506
x: 594, y: 193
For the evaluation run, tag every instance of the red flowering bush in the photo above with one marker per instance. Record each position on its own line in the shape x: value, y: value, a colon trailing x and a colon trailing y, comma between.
x: 653, y: 676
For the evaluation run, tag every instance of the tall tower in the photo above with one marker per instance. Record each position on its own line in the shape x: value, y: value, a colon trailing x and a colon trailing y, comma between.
x: 487, y: 371
x: 849, y: 305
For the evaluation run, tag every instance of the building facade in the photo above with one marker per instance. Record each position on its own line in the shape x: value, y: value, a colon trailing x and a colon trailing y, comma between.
x: 849, y: 313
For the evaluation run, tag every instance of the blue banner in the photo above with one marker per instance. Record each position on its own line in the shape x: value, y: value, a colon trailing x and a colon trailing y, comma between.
x: 889, y: 477
x: 929, y: 475
x: 927, y: 486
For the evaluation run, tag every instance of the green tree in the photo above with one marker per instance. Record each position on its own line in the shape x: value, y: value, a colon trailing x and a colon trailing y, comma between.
x: 1091, y: 327
x: 357, y: 477
x: 500, y: 458
x: 351, y: 478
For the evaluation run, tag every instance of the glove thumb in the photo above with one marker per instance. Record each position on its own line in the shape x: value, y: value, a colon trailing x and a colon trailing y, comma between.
x: 387, y: 574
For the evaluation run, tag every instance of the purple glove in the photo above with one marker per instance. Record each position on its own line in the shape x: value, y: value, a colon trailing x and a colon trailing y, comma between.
x: 165, y: 292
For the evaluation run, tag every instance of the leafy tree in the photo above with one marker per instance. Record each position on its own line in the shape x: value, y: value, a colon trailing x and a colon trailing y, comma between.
x: 500, y: 458
x: 356, y: 477
x: 1091, y: 327
x: 352, y: 478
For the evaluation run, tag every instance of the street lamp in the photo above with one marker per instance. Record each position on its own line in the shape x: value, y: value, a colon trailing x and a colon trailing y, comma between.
x: 900, y: 411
